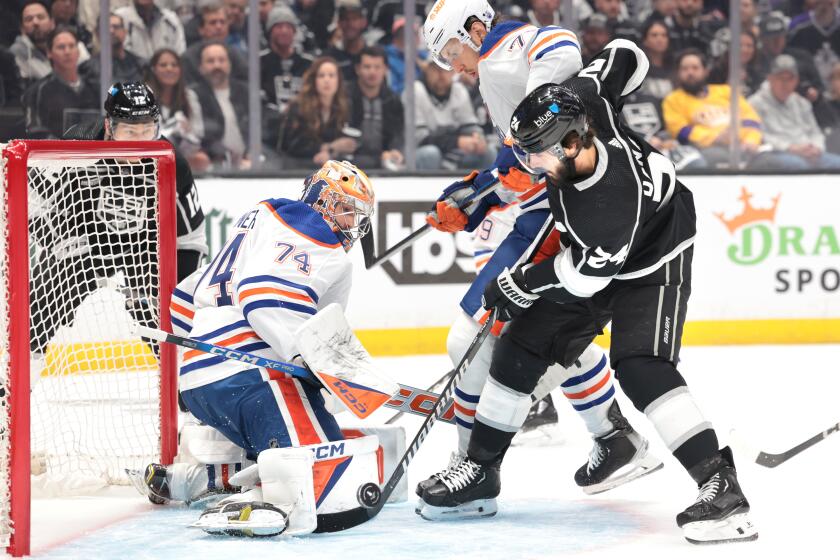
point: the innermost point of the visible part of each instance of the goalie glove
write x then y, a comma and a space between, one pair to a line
508, 294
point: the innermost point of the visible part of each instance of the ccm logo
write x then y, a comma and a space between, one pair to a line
348, 397
234, 355
326, 451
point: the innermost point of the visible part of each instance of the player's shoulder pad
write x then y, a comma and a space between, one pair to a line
621, 67
303, 220
550, 38
499, 34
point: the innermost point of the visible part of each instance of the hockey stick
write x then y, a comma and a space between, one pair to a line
409, 399
431, 388
772, 460
375, 501
369, 251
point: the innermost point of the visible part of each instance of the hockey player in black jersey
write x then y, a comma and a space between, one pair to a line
627, 225
95, 222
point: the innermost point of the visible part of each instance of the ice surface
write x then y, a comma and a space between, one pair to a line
775, 397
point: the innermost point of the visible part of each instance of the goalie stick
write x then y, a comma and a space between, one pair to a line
369, 250
375, 501
772, 460
408, 399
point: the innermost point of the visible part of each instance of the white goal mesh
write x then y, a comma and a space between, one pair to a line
95, 262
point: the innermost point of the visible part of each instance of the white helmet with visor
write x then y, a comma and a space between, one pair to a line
445, 30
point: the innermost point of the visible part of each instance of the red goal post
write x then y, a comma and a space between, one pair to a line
19, 158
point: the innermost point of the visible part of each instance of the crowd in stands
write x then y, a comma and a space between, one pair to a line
332, 78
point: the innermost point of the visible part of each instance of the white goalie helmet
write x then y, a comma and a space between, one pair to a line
446, 21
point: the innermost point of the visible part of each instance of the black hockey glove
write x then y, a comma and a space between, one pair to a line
508, 294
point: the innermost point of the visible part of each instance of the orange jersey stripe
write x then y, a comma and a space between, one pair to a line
591, 390
464, 411
182, 310
481, 262
549, 38
278, 291
502, 40
226, 342
307, 435
312, 239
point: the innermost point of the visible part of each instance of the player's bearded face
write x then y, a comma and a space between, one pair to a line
558, 162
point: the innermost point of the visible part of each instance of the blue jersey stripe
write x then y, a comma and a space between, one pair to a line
557, 45
260, 304
214, 359
223, 330
601, 400
182, 295
482, 252
180, 324
211, 477
464, 423
281, 281
465, 397
578, 379
535, 201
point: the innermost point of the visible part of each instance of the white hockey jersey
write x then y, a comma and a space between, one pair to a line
515, 58
281, 265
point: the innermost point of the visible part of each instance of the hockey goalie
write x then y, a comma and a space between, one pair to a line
260, 433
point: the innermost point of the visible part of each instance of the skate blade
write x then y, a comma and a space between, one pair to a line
735, 528
642, 467
471, 510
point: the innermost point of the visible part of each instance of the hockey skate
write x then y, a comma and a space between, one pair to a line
540, 427
465, 490
454, 459
721, 512
243, 519
152, 483
616, 458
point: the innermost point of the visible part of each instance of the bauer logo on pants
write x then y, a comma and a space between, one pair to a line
435, 258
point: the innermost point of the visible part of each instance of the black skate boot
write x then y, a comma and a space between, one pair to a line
467, 489
721, 512
157, 487
616, 458
540, 427
454, 459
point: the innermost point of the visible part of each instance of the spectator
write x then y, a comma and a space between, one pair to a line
30, 47
9, 24
655, 44
352, 23
315, 128
213, 27
833, 129
237, 25
448, 135
789, 123
749, 17
62, 98
595, 34
281, 69
751, 76
313, 15
166, 80
89, 12
686, 28
697, 113
621, 25
396, 57
377, 113
65, 13
151, 28
661, 10
773, 35
819, 34
125, 65
220, 119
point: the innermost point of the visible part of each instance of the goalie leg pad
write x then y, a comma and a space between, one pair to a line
243, 519
287, 483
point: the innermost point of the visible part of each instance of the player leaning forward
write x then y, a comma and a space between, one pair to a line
285, 262
628, 227
511, 59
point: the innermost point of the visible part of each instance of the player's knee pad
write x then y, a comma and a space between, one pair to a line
202, 444
503, 408
645, 379
515, 367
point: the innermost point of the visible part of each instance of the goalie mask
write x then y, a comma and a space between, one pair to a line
132, 112
541, 127
343, 194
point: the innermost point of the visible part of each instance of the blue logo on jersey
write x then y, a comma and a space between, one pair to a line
554, 108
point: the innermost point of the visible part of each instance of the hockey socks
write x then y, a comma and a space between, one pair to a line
590, 390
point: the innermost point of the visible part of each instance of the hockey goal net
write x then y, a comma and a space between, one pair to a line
87, 251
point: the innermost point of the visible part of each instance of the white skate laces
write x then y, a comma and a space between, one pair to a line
709, 489
460, 475
596, 455
454, 459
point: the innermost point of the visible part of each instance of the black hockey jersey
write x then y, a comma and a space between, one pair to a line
631, 215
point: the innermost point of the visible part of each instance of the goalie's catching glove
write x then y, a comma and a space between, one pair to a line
508, 294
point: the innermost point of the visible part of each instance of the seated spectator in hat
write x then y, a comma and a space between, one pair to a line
819, 33
658, 82
30, 47
220, 118
352, 23
447, 131
213, 27
315, 128
125, 65
595, 34
789, 124
65, 13
62, 98
151, 28
165, 78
